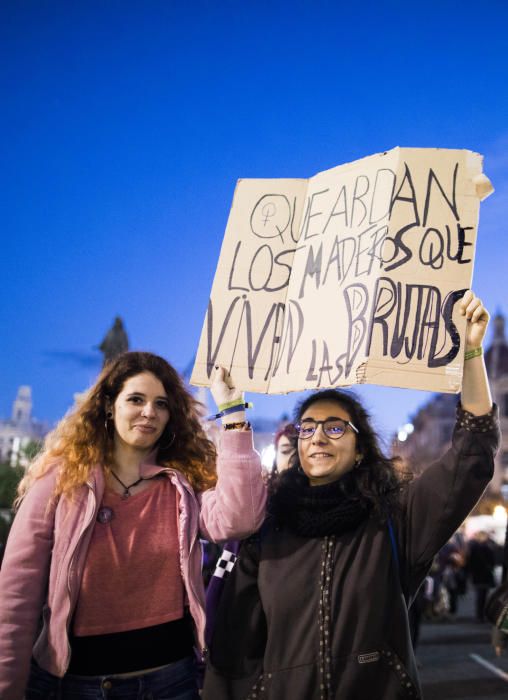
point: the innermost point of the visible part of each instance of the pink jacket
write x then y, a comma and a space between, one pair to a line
46, 551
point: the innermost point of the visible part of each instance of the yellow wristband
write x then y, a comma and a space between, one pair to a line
230, 404
476, 352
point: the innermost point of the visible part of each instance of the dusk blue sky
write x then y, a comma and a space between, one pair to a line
125, 126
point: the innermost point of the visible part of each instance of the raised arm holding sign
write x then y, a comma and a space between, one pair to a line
318, 599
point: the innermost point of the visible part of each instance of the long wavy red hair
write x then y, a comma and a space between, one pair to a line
81, 440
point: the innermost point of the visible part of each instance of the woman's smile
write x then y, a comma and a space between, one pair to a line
322, 458
143, 400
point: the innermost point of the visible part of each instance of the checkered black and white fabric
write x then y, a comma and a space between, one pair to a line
225, 564
223, 568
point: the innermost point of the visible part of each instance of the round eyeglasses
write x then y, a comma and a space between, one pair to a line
333, 428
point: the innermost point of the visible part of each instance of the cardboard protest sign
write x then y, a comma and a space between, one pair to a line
351, 276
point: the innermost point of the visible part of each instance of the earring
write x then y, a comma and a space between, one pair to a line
358, 461
109, 416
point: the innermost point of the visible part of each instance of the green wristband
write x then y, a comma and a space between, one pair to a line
230, 404
476, 352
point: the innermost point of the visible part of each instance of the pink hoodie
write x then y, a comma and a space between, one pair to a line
46, 551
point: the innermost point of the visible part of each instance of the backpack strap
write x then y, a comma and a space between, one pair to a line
393, 542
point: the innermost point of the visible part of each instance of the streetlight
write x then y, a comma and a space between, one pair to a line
500, 515
404, 432
268, 457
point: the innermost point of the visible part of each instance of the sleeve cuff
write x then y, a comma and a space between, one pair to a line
477, 424
236, 442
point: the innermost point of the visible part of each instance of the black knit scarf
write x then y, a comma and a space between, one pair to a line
316, 511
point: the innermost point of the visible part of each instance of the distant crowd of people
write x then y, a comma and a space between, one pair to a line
459, 563
460, 566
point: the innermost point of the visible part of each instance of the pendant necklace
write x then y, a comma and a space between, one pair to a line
106, 514
126, 489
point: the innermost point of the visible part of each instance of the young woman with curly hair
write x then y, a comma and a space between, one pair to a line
101, 592
316, 607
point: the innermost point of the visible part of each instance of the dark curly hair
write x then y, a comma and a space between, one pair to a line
376, 480
81, 440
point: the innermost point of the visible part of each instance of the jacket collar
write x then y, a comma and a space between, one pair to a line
149, 468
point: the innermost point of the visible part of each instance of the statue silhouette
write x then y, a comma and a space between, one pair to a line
115, 342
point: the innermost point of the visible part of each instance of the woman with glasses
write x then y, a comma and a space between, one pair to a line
316, 607
101, 593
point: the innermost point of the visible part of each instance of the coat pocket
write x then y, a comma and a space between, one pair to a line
377, 674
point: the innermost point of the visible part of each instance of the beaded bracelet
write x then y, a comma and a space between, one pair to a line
232, 409
476, 352
237, 426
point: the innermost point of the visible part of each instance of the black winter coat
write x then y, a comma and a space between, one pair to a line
481, 562
326, 618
